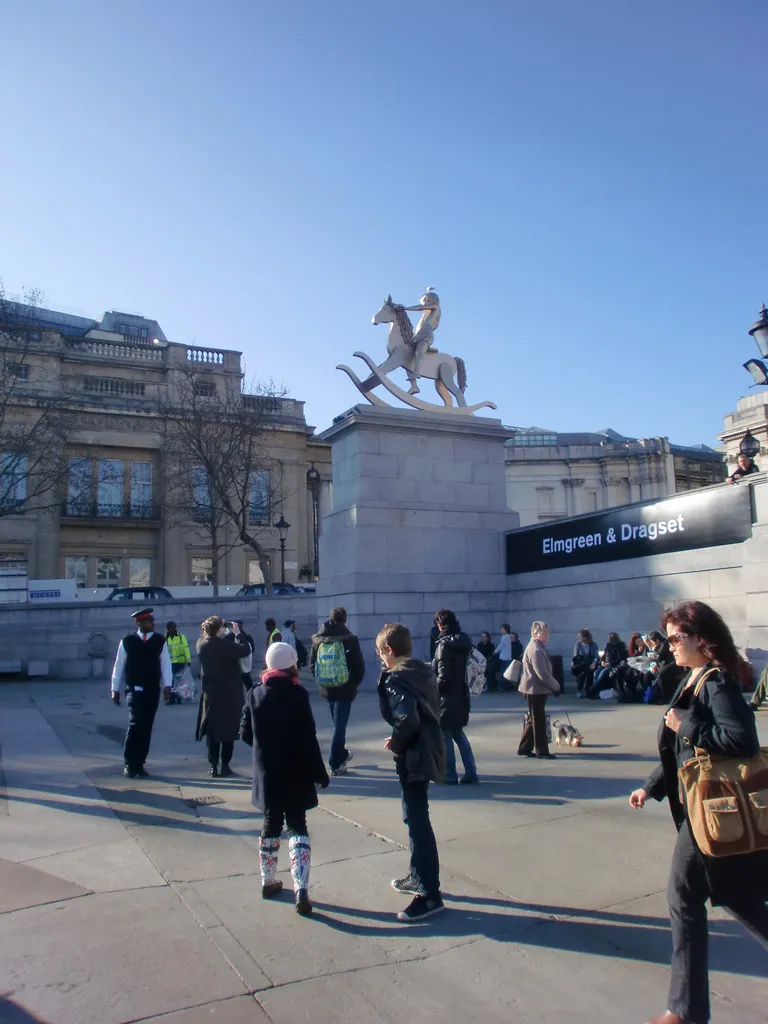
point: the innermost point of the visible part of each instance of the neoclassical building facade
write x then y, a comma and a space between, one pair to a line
109, 525
551, 475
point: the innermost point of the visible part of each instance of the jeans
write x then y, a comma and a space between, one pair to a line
597, 681
225, 750
687, 895
459, 737
339, 711
142, 708
425, 865
272, 825
761, 690
535, 732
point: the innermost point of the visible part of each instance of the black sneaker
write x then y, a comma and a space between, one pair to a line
419, 909
142, 772
213, 771
130, 773
405, 885
226, 771
547, 757
469, 780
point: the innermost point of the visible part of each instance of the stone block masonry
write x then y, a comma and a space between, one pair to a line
419, 512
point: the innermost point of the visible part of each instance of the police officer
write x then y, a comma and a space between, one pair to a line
142, 667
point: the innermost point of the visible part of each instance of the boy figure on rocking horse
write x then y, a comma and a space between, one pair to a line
424, 335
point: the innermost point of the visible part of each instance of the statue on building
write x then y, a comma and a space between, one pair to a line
414, 351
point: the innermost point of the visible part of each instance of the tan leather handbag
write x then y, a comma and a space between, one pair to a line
726, 798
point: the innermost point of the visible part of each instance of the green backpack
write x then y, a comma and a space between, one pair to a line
331, 665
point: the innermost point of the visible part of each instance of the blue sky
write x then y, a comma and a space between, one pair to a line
583, 182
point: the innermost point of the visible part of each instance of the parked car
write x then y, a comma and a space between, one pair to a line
260, 589
143, 594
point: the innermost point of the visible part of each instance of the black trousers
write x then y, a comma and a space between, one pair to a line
425, 862
272, 826
142, 708
219, 750
535, 732
687, 895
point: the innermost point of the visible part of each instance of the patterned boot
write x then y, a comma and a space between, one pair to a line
300, 861
268, 850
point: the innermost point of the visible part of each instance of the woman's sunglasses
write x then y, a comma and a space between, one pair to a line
676, 638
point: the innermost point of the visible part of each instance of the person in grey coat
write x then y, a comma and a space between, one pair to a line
537, 684
221, 700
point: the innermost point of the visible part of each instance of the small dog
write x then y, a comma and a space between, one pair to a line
566, 735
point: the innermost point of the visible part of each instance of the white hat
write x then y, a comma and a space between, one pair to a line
281, 656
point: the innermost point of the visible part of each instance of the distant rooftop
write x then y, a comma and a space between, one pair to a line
131, 325
541, 437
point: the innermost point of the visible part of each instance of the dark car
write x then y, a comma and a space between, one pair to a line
260, 589
143, 594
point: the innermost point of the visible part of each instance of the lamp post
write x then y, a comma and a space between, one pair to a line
313, 482
282, 527
749, 445
759, 331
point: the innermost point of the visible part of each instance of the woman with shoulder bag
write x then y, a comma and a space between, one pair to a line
584, 663
537, 684
221, 699
707, 713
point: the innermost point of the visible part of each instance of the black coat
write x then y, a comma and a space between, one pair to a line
450, 666
222, 695
353, 655
717, 720
517, 650
277, 722
409, 702
488, 651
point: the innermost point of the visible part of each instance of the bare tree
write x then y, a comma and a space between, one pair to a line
222, 478
33, 427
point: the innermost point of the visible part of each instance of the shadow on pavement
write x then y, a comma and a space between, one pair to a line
12, 1013
613, 935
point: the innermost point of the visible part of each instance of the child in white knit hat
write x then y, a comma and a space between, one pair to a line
287, 767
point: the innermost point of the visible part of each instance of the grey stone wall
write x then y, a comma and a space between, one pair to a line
59, 633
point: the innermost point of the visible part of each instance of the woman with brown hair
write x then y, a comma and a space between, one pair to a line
712, 716
636, 645
221, 700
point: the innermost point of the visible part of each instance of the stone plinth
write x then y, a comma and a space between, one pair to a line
419, 510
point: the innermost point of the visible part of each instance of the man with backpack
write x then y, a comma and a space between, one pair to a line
337, 664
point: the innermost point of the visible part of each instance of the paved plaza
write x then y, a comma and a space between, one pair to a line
125, 901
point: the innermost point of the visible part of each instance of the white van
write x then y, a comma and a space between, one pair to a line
39, 591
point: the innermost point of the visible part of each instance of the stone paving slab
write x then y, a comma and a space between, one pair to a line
22, 886
240, 1010
110, 958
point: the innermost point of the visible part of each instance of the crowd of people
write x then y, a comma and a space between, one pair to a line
427, 706
643, 670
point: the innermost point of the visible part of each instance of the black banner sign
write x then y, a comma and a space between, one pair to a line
696, 519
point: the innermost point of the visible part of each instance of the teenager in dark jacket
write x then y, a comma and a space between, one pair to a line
338, 690
450, 665
277, 722
614, 655
488, 650
409, 702
707, 711
221, 697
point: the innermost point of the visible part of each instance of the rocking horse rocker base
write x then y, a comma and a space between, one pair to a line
377, 378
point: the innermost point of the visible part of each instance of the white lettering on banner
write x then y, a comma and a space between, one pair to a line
652, 530
551, 546
627, 532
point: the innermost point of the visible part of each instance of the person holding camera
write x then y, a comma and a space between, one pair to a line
220, 648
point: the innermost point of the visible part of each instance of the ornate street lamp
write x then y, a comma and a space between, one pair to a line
749, 445
759, 331
282, 527
313, 482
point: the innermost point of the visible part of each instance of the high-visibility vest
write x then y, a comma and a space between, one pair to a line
178, 649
